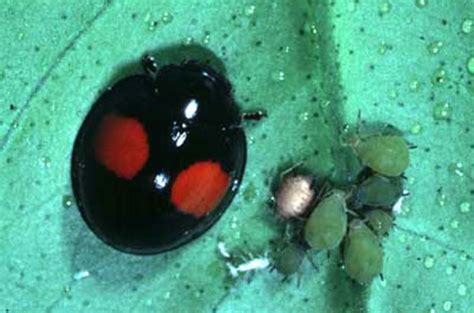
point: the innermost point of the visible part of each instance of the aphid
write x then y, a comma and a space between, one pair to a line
159, 157
327, 224
385, 154
380, 222
247, 263
378, 191
363, 254
287, 261
294, 195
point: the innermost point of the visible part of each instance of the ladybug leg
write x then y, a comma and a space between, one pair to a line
149, 65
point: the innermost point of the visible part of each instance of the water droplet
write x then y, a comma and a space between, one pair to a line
464, 256
67, 201
21, 36
441, 198
467, 26
152, 25
207, 38
462, 290
442, 111
278, 76
45, 161
421, 3
435, 46
450, 270
188, 41
447, 305
454, 224
393, 94
470, 65
414, 85
167, 295
416, 129
250, 10
303, 117
167, 18
384, 47
439, 77
465, 207
429, 262
456, 168
385, 8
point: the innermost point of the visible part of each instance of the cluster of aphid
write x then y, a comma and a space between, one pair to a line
353, 218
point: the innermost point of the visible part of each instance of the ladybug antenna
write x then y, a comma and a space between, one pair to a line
149, 65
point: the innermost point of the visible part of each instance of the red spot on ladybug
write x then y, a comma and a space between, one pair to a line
199, 188
121, 145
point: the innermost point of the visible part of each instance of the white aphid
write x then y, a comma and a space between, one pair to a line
251, 265
294, 195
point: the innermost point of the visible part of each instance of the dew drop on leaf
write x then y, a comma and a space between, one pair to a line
470, 65
167, 18
467, 26
421, 3
442, 111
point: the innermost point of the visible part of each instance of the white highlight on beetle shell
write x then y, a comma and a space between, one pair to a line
161, 180
191, 109
294, 195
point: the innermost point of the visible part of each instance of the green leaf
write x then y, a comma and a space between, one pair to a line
312, 65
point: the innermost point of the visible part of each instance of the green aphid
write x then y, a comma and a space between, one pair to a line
385, 154
288, 260
379, 191
327, 224
363, 255
380, 222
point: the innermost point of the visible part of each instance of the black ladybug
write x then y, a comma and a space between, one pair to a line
159, 157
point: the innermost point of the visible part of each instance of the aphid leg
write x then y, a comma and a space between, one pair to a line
406, 194
311, 260
328, 254
359, 123
290, 169
254, 115
381, 277
412, 146
298, 280
323, 191
149, 65
353, 213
